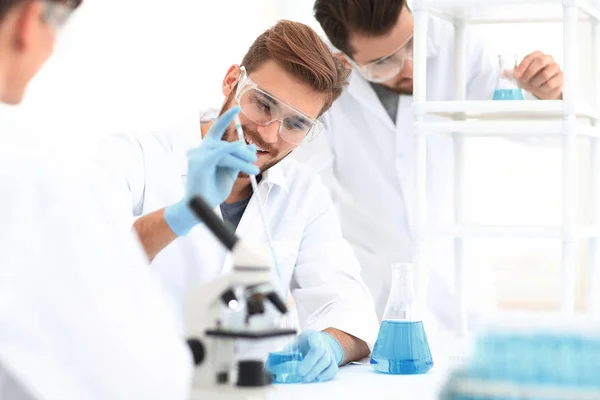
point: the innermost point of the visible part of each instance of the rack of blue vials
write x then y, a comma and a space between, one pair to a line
540, 365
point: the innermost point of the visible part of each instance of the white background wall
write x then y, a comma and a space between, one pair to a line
123, 63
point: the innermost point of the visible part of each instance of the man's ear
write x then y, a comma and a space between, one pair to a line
344, 59
231, 79
26, 18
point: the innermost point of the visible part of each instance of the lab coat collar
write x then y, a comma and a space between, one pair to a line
275, 176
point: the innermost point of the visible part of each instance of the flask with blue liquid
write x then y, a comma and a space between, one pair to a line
402, 346
506, 86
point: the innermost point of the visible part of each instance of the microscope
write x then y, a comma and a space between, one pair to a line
213, 336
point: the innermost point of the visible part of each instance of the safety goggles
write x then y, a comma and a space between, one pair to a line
57, 13
263, 108
388, 66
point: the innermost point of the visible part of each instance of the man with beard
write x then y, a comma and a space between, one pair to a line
366, 154
287, 79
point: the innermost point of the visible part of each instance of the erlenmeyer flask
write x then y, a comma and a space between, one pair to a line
402, 346
506, 85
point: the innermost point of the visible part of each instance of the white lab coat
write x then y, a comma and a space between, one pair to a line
316, 264
368, 163
81, 316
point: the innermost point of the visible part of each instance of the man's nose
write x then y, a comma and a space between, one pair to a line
407, 70
270, 133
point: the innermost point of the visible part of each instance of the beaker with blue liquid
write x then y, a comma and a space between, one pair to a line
507, 87
282, 365
402, 347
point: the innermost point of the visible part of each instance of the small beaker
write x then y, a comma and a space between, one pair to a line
282, 364
507, 87
402, 346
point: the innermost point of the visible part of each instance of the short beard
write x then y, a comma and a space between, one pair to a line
401, 90
230, 135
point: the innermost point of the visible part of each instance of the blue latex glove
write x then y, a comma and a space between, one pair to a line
322, 355
213, 167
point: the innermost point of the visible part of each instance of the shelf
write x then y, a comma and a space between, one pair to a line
506, 11
503, 129
491, 128
508, 232
503, 110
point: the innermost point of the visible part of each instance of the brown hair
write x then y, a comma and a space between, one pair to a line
7, 5
300, 51
340, 18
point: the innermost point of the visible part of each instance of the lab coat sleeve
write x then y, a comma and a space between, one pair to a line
122, 159
82, 317
326, 284
483, 69
11, 389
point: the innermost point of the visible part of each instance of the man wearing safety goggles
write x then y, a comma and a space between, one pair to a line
287, 79
366, 153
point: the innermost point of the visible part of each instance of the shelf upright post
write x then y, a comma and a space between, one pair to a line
569, 212
460, 94
593, 295
420, 168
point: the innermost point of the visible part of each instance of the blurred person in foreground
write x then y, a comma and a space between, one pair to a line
81, 316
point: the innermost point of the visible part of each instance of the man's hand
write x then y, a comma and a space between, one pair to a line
322, 355
541, 76
213, 167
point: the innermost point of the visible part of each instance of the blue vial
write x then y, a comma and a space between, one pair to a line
283, 366
508, 94
506, 85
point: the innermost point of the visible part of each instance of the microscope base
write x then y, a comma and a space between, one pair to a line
227, 392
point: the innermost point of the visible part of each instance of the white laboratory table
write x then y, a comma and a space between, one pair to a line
356, 381
361, 382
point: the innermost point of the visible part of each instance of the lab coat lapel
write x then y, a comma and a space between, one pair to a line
250, 226
362, 91
379, 122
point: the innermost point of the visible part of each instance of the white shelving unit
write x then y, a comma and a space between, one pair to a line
566, 118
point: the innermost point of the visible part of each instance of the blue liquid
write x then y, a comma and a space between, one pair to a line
401, 348
283, 366
508, 94
538, 359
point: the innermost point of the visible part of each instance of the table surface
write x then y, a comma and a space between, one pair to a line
356, 381
361, 381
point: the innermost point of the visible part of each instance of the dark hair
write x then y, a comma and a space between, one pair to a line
341, 18
300, 51
7, 5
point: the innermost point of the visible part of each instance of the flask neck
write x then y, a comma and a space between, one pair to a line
402, 282
402, 301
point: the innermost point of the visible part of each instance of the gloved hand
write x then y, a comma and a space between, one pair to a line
322, 355
213, 167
